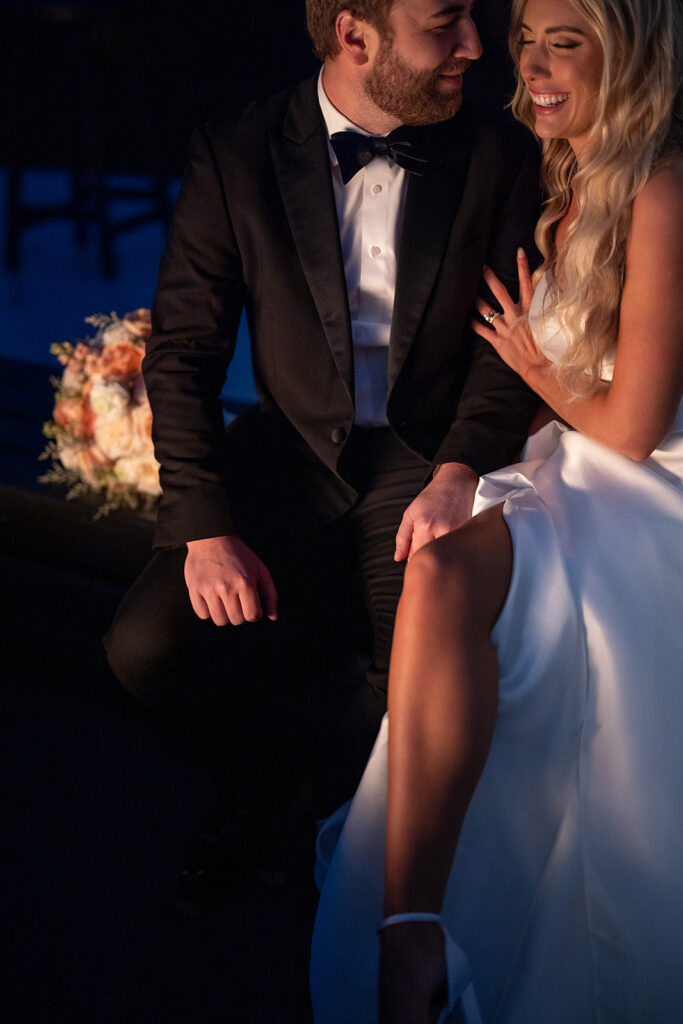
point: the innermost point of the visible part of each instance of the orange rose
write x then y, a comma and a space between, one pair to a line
74, 415
91, 363
122, 361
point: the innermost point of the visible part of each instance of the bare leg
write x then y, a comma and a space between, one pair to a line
443, 692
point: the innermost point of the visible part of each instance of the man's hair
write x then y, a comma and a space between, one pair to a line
321, 16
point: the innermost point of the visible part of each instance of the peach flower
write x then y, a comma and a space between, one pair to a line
139, 323
121, 361
74, 415
115, 334
141, 471
83, 459
73, 377
91, 363
140, 391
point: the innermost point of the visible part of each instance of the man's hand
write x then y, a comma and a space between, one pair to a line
227, 582
443, 506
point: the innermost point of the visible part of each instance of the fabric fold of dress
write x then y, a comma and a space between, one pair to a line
566, 891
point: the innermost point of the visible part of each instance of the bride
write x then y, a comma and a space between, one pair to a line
518, 831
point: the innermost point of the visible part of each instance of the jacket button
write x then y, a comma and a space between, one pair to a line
338, 435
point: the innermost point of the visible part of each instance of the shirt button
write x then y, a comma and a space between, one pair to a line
358, 333
376, 189
375, 251
338, 435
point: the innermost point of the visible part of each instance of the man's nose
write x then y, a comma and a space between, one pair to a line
468, 43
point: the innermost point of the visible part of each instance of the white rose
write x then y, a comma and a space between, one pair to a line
115, 334
83, 459
116, 438
109, 400
69, 455
127, 437
142, 473
72, 381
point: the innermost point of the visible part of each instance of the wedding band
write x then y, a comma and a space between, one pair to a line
491, 316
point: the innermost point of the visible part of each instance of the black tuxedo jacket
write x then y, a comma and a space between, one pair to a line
255, 226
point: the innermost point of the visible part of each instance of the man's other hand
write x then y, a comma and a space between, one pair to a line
443, 506
228, 582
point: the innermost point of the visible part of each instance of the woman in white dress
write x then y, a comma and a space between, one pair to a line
530, 785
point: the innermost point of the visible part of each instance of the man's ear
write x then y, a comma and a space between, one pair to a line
356, 37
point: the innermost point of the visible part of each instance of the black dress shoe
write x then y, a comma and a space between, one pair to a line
221, 858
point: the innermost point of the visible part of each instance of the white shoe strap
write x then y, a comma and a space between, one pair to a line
415, 915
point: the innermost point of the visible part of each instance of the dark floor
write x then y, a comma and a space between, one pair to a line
98, 811
98, 807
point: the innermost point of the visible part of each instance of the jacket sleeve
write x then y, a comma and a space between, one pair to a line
195, 317
495, 406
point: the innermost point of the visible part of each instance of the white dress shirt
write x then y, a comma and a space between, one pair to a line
370, 215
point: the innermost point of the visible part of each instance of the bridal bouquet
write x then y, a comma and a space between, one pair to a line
100, 433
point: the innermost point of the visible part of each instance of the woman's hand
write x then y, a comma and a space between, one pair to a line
513, 341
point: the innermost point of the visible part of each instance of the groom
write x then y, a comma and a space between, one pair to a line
357, 261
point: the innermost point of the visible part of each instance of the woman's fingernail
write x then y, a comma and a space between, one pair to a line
520, 253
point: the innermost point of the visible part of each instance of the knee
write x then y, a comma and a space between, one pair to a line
148, 643
139, 655
465, 575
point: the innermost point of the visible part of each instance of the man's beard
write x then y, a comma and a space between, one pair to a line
414, 97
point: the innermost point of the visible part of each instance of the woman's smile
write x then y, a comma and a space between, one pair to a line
548, 102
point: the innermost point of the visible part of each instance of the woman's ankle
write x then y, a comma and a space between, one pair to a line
412, 973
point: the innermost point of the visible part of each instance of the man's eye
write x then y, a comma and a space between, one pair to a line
444, 27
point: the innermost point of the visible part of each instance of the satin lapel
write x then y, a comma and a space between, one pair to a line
302, 166
432, 203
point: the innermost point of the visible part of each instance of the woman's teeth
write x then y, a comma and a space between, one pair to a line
549, 99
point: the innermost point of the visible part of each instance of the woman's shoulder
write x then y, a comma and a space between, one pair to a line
664, 189
658, 207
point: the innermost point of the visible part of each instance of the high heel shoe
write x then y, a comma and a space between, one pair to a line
461, 994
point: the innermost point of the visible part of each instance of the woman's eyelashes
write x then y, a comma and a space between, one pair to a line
570, 44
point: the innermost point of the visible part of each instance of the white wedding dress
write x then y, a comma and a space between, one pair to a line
566, 891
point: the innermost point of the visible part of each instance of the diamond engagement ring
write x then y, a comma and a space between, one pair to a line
491, 316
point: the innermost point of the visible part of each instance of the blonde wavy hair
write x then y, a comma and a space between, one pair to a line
638, 121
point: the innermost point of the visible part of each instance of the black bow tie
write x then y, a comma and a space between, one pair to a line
354, 151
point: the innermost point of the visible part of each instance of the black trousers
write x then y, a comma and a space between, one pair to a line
257, 703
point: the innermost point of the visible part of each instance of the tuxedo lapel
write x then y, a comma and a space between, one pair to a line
432, 203
302, 165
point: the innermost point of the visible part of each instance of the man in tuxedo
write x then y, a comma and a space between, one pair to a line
356, 247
